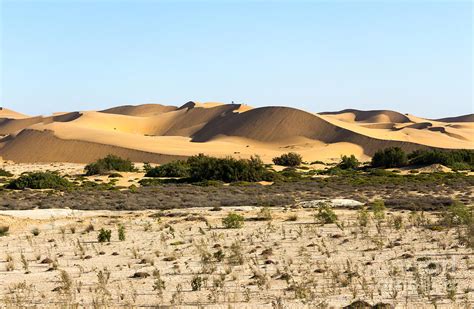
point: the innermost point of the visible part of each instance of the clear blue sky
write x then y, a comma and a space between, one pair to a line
408, 56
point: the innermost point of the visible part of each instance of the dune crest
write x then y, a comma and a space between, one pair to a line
159, 133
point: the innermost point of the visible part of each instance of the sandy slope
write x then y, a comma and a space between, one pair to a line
157, 133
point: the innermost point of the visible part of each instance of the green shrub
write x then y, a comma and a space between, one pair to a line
104, 235
5, 173
228, 169
288, 159
390, 157
107, 164
39, 180
348, 162
462, 159
121, 232
378, 207
233, 221
457, 214
173, 169
325, 214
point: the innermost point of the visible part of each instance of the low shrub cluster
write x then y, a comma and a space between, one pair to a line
107, 164
209, 171
173, 169
288, 159
228, 169
461, 159
5, 173
39, 180
348, 162
457, 159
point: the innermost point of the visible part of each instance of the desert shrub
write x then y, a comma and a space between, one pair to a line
265, 214
288, 159
378, 207
173, 169
107, 164
39, 180
390, 157
115, 175
121, 232
363, 217
457, 214
233, 221
35, 231
5, 173
397, 222
462, 159
348, 162
325, 214
4, 230
202, 167
104, 235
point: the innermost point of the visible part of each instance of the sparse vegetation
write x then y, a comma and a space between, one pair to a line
348, 162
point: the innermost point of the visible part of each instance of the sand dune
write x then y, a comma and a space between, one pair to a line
463, 118
375, 116
158, 133
140, 110
8, 113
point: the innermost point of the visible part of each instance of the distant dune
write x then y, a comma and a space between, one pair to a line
159, 133
463, 118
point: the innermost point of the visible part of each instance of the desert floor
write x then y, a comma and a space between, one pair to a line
185, 258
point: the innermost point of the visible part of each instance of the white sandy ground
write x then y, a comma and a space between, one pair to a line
325, 264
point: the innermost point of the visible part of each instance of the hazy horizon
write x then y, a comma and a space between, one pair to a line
411, 57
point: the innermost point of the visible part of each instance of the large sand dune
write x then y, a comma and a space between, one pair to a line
158, 133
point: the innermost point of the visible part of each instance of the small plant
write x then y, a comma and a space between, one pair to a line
233, 221
4, 230
104, 235
397, 222
35, 231
121, 232
5, 173
363, 217
196, 283
265, 214
325, 214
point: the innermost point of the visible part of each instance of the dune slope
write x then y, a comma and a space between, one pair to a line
157, 133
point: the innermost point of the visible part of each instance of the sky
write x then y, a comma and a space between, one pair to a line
412, 57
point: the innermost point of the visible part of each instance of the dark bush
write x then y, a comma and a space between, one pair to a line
457, 159
39, 180
228, 169
173, 169
390, 157
348, 162
109, 163
288, 159
5, 173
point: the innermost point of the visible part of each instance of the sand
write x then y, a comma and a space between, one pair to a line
158, 133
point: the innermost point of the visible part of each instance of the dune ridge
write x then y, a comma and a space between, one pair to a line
159, 133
